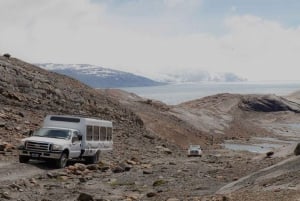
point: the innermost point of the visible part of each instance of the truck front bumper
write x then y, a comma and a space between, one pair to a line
40, 155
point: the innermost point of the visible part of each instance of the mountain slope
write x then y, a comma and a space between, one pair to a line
99, 77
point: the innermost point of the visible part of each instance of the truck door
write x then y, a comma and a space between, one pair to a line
75, 148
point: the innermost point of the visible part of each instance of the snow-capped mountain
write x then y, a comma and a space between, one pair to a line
200, 76
99, 77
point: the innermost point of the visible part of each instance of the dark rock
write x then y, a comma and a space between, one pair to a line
2, 147
2, 124
21, 114
147, 172
104, 168
269, 154
151, 194
7, 55
85, 197
118, 169
297, 150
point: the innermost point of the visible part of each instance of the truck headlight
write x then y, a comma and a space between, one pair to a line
56, 147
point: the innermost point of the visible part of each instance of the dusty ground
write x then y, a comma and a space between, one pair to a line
152, 178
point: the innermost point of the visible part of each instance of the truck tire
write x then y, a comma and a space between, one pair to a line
93, 159
62, 161
23, 159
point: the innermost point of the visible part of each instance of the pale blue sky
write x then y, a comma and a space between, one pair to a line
256, 39
198, 13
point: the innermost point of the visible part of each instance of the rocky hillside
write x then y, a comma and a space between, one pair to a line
28, 93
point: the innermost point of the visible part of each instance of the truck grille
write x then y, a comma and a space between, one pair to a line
37, 146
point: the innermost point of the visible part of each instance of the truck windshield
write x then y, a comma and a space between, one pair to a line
52, 133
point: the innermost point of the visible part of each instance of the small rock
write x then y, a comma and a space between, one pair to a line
33, 181
63, 178
130, 162
50, 175
15, 186
159, 182
80, 166
146, 166
104, 168
172, 199
83, 179
118, 169
5, 195
147, 172
167, 151
92, 167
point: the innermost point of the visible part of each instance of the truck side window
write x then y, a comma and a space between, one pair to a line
109, 134
89, 132
75, 137
96, 133
102, 133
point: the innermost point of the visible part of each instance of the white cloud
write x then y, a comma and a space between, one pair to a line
68, 31
182, 3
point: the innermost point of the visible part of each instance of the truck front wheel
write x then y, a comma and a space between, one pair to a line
62, 161
23, 159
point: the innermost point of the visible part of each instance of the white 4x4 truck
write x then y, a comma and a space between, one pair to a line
194, 150
67, 137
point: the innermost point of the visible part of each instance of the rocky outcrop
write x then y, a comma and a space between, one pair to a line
268, 103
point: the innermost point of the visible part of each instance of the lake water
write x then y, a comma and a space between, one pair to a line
177, 93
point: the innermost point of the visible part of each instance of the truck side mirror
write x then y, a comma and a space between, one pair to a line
30, 133
79, 137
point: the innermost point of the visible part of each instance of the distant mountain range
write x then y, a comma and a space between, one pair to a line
99, 77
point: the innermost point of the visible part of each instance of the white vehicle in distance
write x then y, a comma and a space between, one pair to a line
194, 150
67, 137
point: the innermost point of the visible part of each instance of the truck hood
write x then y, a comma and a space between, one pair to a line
46, 140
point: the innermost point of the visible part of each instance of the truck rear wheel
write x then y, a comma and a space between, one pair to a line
62, 161
23, 159
93, 159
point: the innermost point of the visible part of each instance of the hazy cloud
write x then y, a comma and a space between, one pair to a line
81, 31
